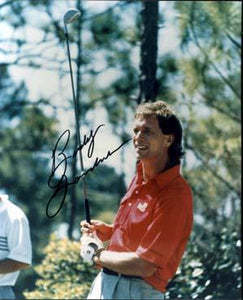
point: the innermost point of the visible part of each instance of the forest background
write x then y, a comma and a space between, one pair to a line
187, 53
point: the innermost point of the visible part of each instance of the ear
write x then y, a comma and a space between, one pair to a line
169, 139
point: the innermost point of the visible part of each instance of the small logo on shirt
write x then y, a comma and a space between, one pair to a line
142, 207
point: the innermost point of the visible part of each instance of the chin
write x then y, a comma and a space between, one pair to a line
142, 157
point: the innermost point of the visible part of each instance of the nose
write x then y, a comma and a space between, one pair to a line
138, 136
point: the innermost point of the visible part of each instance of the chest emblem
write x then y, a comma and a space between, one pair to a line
142, 207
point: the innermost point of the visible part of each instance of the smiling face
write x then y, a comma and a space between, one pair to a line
150, 143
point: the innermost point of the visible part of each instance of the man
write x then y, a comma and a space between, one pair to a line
15, 246
154, 220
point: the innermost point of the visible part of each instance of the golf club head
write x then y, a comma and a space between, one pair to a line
71, 15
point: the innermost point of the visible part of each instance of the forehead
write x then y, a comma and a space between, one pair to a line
146, 121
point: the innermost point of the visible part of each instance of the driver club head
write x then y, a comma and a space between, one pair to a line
71, 15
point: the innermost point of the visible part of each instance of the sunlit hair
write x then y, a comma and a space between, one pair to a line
168, 123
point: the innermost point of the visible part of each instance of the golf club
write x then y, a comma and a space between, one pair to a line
70, 16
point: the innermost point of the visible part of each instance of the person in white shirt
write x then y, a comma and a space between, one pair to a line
15, 246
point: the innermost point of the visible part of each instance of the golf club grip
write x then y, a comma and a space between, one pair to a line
86, 210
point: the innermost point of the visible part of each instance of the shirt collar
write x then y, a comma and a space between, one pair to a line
162, 179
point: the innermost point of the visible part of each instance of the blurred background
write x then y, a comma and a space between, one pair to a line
187, 53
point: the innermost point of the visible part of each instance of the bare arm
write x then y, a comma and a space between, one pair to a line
10, 265
127, 263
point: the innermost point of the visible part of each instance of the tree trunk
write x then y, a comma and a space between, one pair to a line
148, 53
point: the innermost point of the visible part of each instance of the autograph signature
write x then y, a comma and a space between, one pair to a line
60, 186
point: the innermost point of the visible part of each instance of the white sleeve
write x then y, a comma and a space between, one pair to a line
19, 242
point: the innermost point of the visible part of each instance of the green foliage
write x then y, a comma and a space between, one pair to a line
167, 70
210, 67
105, 29
106, 216
117, 40
62, 273
107, 181
203, 82
210, 21
215, 142
103, 192
9, 110
211, 267
23, 177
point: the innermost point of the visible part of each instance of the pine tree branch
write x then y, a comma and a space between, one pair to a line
119, 4
212, 170
6, 3
209, 102
238, 45
234, 90
204, 200
10, 105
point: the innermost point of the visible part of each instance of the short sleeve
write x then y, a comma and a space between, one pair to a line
167, 233
19, 242
105, 237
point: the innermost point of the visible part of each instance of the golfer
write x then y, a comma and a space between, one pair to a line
154, 220
15, 246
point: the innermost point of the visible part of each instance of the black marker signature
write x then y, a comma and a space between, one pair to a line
60, 186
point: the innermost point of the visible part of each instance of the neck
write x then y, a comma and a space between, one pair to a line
151, 169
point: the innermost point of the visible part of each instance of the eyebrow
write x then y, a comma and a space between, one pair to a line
144, 127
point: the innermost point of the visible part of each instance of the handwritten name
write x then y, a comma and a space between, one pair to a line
60, 161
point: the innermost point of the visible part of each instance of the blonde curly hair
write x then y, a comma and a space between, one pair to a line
158, 108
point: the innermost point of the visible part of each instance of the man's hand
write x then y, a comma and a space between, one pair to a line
101, 229
89, 247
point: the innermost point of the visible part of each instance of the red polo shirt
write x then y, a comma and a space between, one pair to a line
155, 221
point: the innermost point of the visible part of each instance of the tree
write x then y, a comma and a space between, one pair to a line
49, 58
30, 130
211, 269
62, 274
148, 54
212, 83
210, 99
202, 82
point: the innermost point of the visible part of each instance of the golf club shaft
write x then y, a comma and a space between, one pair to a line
86, 201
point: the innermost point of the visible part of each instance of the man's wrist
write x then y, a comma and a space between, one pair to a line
96, 256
